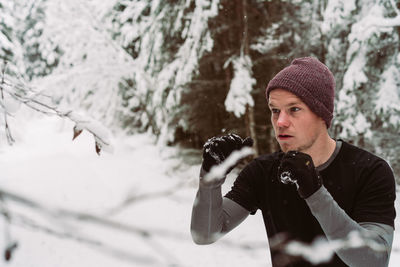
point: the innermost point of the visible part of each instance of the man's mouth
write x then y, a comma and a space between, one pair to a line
284, 136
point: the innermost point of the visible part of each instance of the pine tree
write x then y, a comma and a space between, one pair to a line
41, 54
74, 44
221, 94
366, 113
10, 65
166, 40
181, 90
338, 18
284, 30
10, 52
6, 23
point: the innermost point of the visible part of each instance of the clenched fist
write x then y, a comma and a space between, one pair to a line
217, 149
298, 168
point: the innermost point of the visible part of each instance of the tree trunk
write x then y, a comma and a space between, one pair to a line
251, 127
244, 51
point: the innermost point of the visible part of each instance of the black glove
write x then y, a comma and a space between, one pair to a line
217, 149
298, 168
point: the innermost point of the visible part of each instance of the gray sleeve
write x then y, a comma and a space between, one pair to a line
337, 225
214, 215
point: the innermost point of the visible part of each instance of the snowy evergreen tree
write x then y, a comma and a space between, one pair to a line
6, 28
193, 52
367, 109
287, 29
10, 65
187, 70
166, 41
191, 69
15, 89
41, 54
10, 51
92, 64
336, 26
221, 95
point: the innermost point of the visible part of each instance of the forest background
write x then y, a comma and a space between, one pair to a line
186, 70
189, 70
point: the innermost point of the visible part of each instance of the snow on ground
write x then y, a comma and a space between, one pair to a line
69, 179
82, 194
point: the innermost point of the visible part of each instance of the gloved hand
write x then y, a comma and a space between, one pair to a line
298, 168
217, 149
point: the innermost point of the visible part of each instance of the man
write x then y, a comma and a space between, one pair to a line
315, 186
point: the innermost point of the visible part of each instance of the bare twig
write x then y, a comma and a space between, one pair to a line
10, 244
63, 214
141, 197
10, 138
25, 222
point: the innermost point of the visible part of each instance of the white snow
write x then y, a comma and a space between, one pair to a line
335, 12
268, 41
9, 104
132, 207
67, 178
239, 95
92, 63
389, 95
161, 77
139, 187
5, 43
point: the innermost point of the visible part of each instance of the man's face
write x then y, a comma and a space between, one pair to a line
296, 126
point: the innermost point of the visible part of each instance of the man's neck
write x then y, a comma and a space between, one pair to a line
322, 150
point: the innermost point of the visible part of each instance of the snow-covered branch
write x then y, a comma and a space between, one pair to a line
321, 250
68, 219
218, 172
64, 216
239, 95
15, 92
377, 19
386, 22
127, 255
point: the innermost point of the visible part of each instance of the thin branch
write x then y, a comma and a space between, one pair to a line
6, 214
218, 172
25, 222
9, 136
141, 197
2, 79
63, 214
293, 249
28, 96
96, 25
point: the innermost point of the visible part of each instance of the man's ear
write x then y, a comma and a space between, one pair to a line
322, 122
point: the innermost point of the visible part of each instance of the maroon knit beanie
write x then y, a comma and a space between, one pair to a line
312, 82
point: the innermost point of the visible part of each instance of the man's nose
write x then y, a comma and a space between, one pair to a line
283, 120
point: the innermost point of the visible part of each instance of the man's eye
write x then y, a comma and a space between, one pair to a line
275, 111
294, 109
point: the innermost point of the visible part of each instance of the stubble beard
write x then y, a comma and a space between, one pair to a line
301, 148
